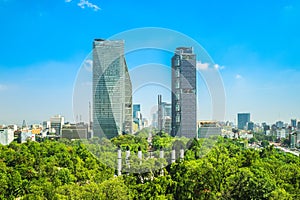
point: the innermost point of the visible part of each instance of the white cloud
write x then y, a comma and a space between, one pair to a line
84, 3
206, 66
218, 67
202, 66
238, 76
88, 65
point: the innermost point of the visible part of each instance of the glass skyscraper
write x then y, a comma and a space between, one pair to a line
243, 119
112, 90
184, 104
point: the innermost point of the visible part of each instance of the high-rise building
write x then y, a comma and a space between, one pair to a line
243, 119
56, 123
293, 123
137, 118
159, 113
136, 108
184, 104
112, 90
250, 126
164, 115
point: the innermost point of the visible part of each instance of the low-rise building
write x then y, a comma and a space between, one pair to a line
75, 131
207, 129
6, 136
26, 135
281, 133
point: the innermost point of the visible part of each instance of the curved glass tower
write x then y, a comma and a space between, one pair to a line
112, 90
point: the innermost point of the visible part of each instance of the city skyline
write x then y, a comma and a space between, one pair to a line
256, 55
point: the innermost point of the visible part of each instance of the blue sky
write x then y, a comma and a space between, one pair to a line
43, 44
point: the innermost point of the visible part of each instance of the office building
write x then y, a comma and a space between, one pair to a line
112, 90
137, 118
293, 123
250, 126
184, 104
159, 114
56, 123
243, 119
136, 108
164, 115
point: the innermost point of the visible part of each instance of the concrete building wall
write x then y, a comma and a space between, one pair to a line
6, 136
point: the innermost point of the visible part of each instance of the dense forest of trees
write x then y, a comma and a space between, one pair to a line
224, 169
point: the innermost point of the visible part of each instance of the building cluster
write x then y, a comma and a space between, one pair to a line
55, 128
138, 121
114, 114
113, 111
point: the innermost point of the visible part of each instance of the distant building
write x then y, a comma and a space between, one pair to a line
24, 124
207, 129
279, 124
112, 90
245, 134
250, 126
137, 118
164, 115
167, 127
75, 131
154, 120
281, 133
46, 125
145, 122
13, 127
293, 123
298, 125
6, 136
243, 119
136, 108
184, 104
56, 123
293, 139
159, 114
26, 135
266, 127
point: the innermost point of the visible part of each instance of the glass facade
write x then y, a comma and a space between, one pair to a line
243, 119
184, 104
112, 90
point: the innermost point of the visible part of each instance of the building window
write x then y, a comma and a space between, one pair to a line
177, 107
177, 118
177, 73
177, 84
177, 61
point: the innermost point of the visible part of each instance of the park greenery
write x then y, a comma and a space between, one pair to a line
214, 168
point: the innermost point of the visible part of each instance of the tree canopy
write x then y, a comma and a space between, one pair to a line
211, 169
